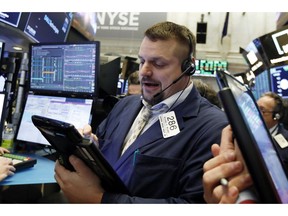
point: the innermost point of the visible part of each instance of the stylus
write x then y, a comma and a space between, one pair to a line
224, 181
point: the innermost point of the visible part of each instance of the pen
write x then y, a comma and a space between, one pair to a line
224, 181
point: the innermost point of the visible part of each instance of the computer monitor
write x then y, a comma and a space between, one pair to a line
108, 78
10, 18
253, 55
2, 48
50, 27
275, 47
76, 111
279, 80
64, 68
3, 111
262, 84
208, 67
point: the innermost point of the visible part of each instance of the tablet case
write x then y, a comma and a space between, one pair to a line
66, 140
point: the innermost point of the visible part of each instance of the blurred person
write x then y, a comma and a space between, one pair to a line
207, 92
273, 110
134, 86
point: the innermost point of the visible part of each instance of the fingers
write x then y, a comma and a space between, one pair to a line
230, 195
3, 150
86, 132
78, 164
227, 143
242, 181
218, 160
213, 190
215, 149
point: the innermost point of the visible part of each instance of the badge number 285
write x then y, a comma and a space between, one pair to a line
169, 124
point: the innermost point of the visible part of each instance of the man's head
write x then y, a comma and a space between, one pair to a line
165, 53
134, 84
271, 106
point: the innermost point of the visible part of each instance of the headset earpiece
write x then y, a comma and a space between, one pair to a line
276, 116
188, 67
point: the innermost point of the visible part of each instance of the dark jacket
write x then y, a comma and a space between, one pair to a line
283, 152
158, 170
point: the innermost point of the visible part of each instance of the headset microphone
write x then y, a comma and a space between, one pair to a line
189, 70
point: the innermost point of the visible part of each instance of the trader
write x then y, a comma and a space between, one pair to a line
164, 163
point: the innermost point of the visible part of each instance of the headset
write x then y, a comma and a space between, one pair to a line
188, 67
278, 110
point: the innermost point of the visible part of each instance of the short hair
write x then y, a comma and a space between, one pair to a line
207, 92
279, 104
169, 30
134, 78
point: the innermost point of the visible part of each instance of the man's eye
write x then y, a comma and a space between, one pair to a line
159, 65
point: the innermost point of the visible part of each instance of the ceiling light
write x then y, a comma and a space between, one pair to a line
17, 48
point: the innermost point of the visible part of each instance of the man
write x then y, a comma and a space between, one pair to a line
165, 162
134, 84
273, 111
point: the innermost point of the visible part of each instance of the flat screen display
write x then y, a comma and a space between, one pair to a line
48, 27
64, 68
10, 18
275, 46
279, 80
208, 67
76, 111
262, 84
253, 57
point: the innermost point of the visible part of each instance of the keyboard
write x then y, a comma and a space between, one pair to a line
20, 161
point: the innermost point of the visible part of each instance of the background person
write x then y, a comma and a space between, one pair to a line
273, 110
134, 86
207, 92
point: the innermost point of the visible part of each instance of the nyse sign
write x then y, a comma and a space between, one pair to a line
126, 24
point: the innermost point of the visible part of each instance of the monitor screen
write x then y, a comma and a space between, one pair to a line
49, 26
108, 78
253, 57
64, 68
76, 111
279, 80
10, 18
208, 67
262, 84
275, 47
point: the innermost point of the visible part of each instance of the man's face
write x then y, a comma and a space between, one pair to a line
159, 67
266, 105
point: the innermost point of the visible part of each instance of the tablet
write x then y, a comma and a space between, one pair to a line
66, 140
254, 139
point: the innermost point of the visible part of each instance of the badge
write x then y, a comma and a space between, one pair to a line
280, 139
169, 124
